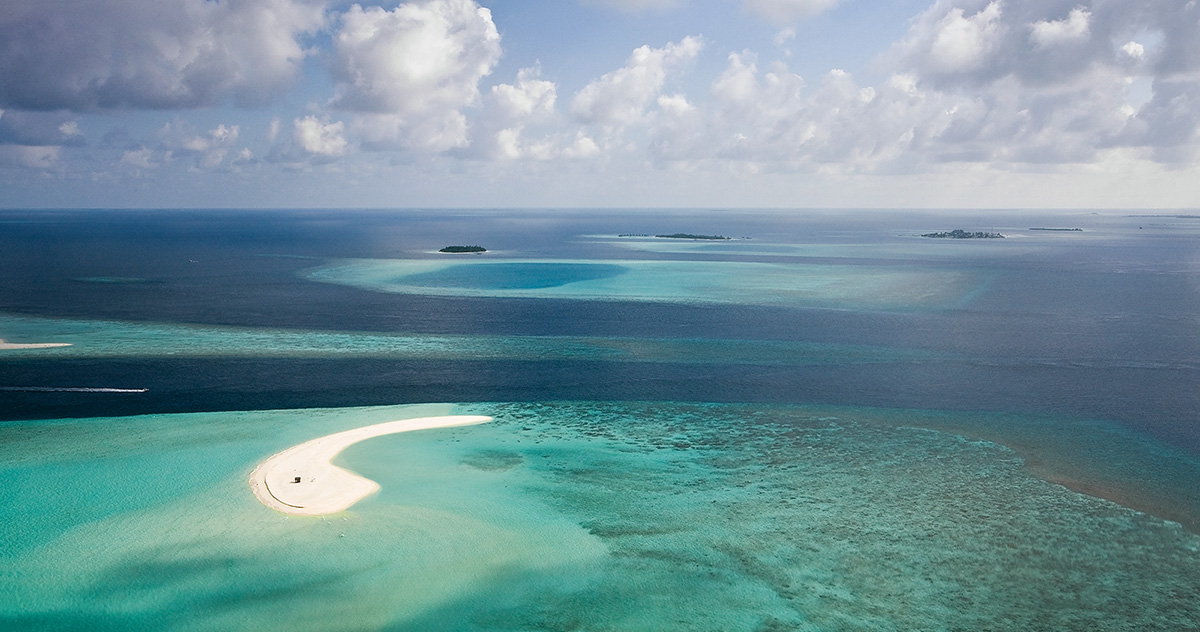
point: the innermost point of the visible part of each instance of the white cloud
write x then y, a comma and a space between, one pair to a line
1032, 84
520, 122
410, 71
319, 137
1047, 33
789, 10
962, 43
528, 96
739, 83
772, 120
433, 132
511, 109
581, 147
150, 53
1133, 50
208, 150
620, 97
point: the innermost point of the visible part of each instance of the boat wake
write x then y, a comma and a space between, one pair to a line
71, 389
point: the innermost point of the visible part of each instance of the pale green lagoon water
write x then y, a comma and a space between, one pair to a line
588, 516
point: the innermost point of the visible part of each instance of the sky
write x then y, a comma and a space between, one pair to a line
600, 103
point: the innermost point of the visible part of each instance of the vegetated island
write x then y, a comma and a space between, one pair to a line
691, 236
462, 249
959, 233
1061, 230
680, 236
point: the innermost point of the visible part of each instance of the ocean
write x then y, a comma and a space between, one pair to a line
824, 422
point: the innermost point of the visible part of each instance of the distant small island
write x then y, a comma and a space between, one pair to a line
460, 249
958, 233
691, 236
1061, 230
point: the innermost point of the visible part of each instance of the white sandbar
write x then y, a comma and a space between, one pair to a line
325, 488
32, 345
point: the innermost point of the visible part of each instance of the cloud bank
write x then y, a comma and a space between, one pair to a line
161, 54
409, 72
1005, 85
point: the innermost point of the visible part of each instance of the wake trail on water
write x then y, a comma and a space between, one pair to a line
71, 389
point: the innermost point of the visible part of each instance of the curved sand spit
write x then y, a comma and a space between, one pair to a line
325, 488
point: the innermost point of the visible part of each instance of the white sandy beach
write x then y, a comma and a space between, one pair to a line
32, 345
324, 488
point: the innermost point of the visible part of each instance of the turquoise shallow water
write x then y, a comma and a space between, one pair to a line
607, 511
700, 282
592, 516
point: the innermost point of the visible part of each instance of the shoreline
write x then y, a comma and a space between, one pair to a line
303, 481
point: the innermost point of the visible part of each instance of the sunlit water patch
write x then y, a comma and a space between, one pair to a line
596, 516
742, 283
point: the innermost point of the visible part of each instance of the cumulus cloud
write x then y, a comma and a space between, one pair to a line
1072, 29
320, 137
409, 72
620, 97
775, 118
789, 10
521, 122
314, 140
958, 42
1133, 50
513, 107
528, 96
924, 113
207, 150
150, 53
1050, 81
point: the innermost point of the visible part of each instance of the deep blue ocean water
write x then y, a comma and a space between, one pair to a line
827, 422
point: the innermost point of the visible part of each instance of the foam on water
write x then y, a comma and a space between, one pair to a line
592, 516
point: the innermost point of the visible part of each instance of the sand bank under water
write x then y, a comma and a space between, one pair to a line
302, 481
32, 345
